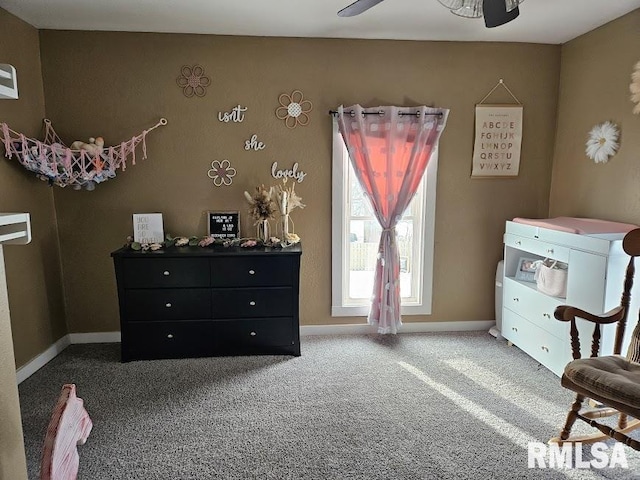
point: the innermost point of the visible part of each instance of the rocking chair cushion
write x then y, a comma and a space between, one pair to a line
612, 377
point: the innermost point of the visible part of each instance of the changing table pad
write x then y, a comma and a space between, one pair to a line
582, 226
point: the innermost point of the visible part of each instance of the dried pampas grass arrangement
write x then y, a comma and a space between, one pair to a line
634, 88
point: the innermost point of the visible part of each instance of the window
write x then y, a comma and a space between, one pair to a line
356, 234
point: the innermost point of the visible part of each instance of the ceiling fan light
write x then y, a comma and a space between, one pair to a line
496, 13
469, 9
451, 4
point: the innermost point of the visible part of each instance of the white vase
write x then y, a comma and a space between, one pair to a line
284, 222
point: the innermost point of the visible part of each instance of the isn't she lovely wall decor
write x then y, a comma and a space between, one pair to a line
498, 138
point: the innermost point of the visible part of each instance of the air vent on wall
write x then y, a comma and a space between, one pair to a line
8, 82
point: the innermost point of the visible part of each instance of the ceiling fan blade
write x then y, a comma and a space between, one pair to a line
496, 14
357, 7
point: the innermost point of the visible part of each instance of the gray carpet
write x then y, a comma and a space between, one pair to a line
413, 406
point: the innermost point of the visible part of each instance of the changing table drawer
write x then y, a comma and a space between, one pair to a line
538, 308
538, 247
547, 349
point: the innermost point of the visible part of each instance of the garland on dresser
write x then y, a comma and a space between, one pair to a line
273, 242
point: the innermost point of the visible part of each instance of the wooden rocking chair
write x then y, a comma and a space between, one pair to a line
613, 381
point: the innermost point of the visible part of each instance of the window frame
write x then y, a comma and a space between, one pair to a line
339, 231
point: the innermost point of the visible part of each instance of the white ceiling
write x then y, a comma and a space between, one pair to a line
540, 21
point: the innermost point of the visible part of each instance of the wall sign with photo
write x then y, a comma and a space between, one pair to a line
147, 228
224, 225
526, 269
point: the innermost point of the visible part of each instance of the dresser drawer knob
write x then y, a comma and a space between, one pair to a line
516, 299
514, 329
518, 242
545, 348
253, 334
170, 335
168, 305
166, 273
252, 303
546, 315
252, 272
549, 250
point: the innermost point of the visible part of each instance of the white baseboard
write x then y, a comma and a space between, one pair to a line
54, 350
41, 360
98, 337
409, 327
50, 353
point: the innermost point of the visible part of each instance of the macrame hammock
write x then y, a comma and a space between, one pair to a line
57, 164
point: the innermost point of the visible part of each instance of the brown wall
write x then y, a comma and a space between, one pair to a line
115, 84
594, 87
32, 271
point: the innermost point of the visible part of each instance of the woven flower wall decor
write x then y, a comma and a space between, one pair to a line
634, 88
193, 81
602, 142
221, 173
294, 109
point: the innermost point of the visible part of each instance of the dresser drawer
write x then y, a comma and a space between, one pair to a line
254, 334
148, 340
546, 348
165, 272
538, 308
167, 304
538, 247
252, 271
252, 302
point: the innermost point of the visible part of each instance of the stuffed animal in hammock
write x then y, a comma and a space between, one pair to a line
94, 147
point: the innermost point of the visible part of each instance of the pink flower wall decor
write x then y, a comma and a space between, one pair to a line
221, 173
294, 109
193, 81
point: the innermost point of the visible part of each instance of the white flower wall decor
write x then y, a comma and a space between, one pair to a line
221, 172
294, 109
603, 142
634, 88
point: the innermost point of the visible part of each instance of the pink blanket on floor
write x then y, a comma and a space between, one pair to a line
578, 225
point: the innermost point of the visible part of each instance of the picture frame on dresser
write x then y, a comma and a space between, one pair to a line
148, 228
223, 225
526, 271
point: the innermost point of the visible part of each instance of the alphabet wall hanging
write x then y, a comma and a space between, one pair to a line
498, 138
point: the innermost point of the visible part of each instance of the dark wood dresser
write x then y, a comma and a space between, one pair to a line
193, 302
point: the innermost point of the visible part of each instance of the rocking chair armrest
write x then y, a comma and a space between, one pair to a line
566, 313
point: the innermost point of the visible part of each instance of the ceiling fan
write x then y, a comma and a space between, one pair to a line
495, 12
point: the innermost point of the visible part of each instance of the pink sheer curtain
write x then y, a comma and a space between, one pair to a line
389, 150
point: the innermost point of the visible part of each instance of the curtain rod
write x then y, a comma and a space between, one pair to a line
381, 112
